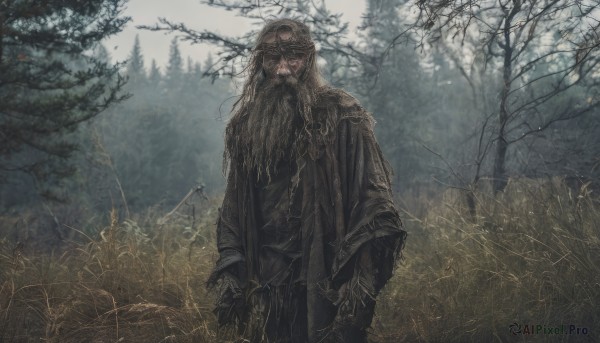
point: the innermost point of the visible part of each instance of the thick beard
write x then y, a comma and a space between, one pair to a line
274, 123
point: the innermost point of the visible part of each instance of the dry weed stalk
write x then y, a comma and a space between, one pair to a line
120, 287
530, 257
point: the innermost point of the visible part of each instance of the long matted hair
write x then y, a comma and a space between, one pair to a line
270, 122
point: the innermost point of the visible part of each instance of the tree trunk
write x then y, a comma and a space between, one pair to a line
499, 176
472, 205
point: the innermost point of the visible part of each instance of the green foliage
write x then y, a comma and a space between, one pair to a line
154, 75
165, 139
135, 65
419, 101
149, 149
175, 66
51, 82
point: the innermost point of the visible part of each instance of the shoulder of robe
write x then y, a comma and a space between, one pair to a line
346, 105
329, 96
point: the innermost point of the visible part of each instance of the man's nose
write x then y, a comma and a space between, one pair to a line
283, 69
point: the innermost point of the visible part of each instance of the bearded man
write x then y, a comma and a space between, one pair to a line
308, 233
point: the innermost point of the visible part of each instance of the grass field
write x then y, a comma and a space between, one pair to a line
530, 259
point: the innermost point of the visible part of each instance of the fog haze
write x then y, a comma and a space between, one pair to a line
155, 45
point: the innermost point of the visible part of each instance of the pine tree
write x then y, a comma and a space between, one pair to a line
154, 75
174, 71
394, 90
190, 77
50, 82
135, 66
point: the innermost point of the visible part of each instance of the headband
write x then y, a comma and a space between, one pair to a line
287, 47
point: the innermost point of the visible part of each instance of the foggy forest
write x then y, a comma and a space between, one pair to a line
111, 173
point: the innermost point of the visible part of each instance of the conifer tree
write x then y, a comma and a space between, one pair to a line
154, 76
174, 71
135, 66
50, 81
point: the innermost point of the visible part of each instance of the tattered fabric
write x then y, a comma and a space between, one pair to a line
350, 234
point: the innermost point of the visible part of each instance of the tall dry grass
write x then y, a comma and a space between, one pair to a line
530, 257
126, 284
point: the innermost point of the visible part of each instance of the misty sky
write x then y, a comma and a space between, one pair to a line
155, 45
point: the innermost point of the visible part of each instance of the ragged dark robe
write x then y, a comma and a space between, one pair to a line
344, 231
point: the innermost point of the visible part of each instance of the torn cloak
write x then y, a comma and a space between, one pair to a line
349, 225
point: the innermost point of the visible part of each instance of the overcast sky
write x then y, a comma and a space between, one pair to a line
155, 45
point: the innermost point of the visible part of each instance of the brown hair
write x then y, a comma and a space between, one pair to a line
236, 145
300, 37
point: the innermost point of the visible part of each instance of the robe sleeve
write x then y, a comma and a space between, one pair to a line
374, 234
370, 215
229, 236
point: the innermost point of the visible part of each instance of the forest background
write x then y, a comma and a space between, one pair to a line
487, 111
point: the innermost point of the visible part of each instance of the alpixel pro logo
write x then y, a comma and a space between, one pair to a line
537, 329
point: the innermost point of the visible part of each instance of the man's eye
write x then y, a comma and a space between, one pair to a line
298, 55
269, 57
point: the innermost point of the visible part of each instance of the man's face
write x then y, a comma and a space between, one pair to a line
273, 119
282, 65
